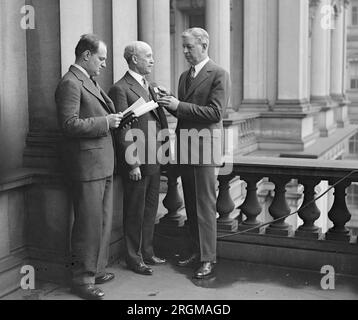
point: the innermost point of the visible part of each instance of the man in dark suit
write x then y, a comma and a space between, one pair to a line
141, 172
86, 116
203, 95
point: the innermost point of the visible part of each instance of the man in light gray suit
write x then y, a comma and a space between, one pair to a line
203, 95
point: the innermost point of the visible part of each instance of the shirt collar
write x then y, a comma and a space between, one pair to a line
136, 76
82, 69
200, 66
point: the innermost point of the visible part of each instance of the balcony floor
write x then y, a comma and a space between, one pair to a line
234, 281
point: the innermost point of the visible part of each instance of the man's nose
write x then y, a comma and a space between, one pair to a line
185, 50
104, 65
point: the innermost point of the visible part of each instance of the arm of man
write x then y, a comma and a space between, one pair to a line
217, 101
68, 99
123, 137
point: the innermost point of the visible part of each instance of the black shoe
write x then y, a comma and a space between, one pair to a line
88, 292
141, 268
103, 279
154, 261
206, 270
189, 261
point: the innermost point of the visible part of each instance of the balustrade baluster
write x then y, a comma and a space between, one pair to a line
309, 212
339, 214
225, 205
279, 208
251, 207
172, 202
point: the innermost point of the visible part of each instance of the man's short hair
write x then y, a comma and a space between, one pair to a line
132, 49
199, 34
87, 42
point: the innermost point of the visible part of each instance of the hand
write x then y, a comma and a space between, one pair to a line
163, 91
135, 174
114, 120
169, 102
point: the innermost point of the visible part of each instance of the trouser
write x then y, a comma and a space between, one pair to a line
200, 205
140, 206
91, 231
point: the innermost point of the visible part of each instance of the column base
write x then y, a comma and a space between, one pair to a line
244, 227
251, 105
279, 232
308, 234
228, 225
336, 236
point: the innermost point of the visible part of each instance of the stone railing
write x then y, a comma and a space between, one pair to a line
279, 234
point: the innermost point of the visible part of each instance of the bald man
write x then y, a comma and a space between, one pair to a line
141, 179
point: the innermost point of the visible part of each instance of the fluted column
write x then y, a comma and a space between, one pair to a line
13, 85
44, 56
293, 93
321, 65
338, 64
76, 19
154, 28
217, 17
124, 18
255, 96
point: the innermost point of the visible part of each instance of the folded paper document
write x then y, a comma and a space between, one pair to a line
136, 110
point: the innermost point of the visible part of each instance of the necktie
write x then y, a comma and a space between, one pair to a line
189, 78
94, 82
145, 84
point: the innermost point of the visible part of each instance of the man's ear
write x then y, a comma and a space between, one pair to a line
86, 55
134, 59
205, 46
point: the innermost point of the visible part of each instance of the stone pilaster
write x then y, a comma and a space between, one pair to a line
322, 23
154, 28
255, 96
124, 17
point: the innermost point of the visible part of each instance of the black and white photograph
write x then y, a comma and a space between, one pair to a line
179, 156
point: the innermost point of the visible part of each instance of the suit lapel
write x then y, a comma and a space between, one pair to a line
89, 86
136, 87
140, 91
201, 77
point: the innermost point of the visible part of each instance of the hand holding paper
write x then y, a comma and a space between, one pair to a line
137, 109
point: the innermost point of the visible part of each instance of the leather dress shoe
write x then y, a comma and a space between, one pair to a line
188, 261
154, 261
142, 268
103, 279
88, 292
206, 269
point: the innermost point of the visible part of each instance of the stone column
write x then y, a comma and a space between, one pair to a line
13, 85
338, 64
237, 52
154, 28
255, 56
124, 18
217, 17
44, 72
289, 124
321, 64
76, 19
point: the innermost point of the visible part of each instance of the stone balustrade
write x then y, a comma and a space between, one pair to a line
239, 239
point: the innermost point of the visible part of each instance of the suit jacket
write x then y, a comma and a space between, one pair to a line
124, 93
87, 145
201, 111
